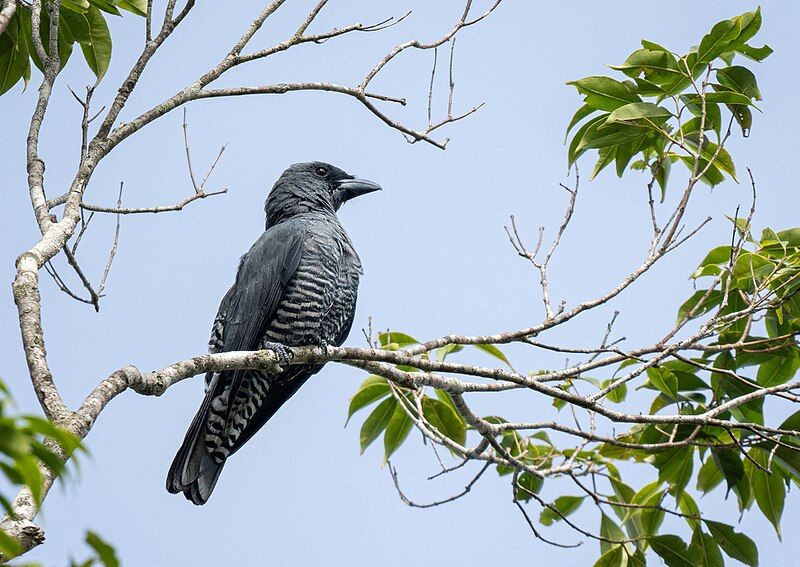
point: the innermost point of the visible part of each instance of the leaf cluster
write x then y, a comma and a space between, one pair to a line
668, 109
397, 407
27, 445
81, 22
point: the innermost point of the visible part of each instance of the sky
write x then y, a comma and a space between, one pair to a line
435, 255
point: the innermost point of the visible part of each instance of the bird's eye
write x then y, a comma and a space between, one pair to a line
321, 171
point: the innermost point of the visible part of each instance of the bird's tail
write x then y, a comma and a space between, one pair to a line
195, 469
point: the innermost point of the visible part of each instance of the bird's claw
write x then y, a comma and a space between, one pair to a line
282, 352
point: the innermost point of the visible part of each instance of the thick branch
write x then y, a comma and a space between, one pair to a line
9, 7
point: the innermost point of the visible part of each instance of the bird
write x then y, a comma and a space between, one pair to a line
296, 286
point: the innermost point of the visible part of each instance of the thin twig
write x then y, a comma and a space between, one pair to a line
113, 251
409, 502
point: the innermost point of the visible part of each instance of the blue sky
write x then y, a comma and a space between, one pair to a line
432, 243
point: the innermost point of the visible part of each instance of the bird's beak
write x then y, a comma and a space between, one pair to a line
355, 187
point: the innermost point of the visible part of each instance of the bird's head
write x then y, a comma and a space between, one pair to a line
313, 186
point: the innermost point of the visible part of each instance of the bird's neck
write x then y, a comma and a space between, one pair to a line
307, 215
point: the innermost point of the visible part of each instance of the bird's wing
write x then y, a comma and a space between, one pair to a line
260, 282
243, 313
289, 381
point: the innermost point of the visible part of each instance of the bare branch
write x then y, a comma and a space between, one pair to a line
160, 209
94, 297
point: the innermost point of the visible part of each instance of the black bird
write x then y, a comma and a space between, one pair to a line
296, 286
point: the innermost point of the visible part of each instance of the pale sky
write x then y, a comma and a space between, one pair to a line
435, 255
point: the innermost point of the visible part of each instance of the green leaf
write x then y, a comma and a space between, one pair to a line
665, 380
106, 6
445, 351
779, 368
14, 60
138, 7
718, 255
730, 464
728, 97
672, 550
755, 53
735, 545
727, 35
791, 237
751, 411
712, 175
376, 422
605, 93
743, 116
652, 518
78, 25
605, 157
614, 557
717, 41
652, 46
640, 112
68, 441
598, 135
573, 153
397, 430
371, 390
740, 80
565, 505
446, 398
97, 50
495, 352
711, 152
395, 337
769, 489
709, 476
689, 507
106, 553
611, 531
31, 476
701, 302
660, 170
7, 506
618, 394
750, 23
75, 5
658, 66
675, 468
445, 419
625, 152
9, 546
579, 115
705, 550
788, 460
48, 458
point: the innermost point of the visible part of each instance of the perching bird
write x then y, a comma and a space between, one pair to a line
296, 286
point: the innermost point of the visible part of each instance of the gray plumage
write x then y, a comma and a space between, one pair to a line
297, 285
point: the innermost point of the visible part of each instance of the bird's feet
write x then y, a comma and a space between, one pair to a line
322, 343
282, 352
